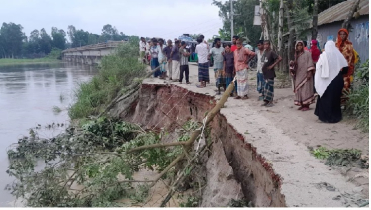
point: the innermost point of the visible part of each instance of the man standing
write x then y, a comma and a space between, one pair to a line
142, 49
175, 60
167, 50
184, 68
217, 53
154, 57
148, 55
234, 39
259, 71
203, 63
270, 59
161, 58
241, 55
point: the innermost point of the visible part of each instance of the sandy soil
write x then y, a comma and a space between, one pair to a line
282, 134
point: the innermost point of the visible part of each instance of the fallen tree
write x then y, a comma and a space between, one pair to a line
93, 165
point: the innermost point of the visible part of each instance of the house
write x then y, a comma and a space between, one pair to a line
330, 21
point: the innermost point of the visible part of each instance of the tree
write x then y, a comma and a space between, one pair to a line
315, 20
71, 33
59, 40
78, 37
93, 39
346, 23
11, 39
109, 33
243, 20
45, 42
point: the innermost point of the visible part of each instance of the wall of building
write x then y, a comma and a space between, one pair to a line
359, 35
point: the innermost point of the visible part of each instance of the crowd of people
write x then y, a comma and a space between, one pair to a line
326, 74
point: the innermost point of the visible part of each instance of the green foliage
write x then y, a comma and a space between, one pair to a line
321, 153
190, 202
6, 62
55, 53
341, 157
243, 22
338, 157
362, 73
239, 203
11, 37
92, 157
140, 193
358, 103
117, 71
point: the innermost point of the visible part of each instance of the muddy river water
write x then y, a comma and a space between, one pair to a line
28, 94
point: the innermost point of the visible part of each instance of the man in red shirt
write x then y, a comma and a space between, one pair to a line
234, 39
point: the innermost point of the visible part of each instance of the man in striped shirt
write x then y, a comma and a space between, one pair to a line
184, 68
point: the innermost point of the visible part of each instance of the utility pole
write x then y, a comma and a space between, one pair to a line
231, 17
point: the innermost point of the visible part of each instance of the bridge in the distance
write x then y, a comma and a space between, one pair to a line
90, 54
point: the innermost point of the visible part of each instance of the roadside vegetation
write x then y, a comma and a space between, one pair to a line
117, 71
341, 157
358, 104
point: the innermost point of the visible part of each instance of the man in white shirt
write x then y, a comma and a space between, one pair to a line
162, 58
142, 48
202, 50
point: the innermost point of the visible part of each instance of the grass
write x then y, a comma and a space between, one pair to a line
10, 61
117, 71
339, 157
358, 103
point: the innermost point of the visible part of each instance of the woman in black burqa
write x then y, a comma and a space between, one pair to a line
329, 83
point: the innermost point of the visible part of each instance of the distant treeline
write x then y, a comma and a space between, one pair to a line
15, 44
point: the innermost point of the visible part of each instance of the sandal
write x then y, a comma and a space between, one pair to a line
237, 97
245, 97
300, 108
305, 109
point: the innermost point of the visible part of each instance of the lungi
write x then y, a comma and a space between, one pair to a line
242, 86
203, 72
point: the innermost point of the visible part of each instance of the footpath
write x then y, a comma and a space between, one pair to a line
283, 135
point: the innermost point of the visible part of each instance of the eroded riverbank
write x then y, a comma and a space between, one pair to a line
266, 149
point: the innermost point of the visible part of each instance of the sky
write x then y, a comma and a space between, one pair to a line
161, 18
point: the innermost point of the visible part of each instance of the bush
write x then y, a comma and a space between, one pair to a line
54, 54
116, 72
358, 97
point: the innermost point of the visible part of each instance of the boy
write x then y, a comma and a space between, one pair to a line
269, 59
184, 68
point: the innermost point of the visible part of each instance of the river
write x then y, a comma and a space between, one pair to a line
28, 94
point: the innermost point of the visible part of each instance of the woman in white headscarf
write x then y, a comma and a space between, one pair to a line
329, 83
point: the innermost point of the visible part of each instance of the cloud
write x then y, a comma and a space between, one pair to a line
161, 18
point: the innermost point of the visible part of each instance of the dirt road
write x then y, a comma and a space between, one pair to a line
282, 134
